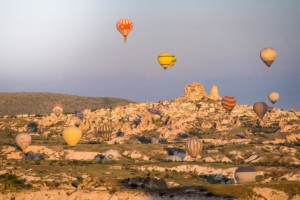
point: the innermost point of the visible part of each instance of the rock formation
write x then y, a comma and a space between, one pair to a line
150, 133
194, 91
214, 93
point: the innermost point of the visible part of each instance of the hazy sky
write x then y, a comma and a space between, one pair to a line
73, 47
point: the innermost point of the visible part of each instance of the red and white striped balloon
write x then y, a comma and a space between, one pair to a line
124, 26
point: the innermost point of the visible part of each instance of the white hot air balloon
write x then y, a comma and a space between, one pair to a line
273, 97
23, 140
245, 174
268, 55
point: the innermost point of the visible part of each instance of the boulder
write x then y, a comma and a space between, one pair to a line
174, 158
214, 93
194, 91
206, 125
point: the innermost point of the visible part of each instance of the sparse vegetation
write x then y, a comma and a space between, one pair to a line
41, 103
150, 157
12, 182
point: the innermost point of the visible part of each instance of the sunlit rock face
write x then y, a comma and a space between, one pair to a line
214, 93
194, 91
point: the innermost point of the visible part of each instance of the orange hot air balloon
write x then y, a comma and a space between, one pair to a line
124, 26
228, 102
72, 135
260, 108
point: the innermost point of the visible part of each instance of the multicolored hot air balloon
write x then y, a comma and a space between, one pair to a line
166, 60
273, 97
260, 108
124, 26
268, 55
245, 174
72, 135
57, 109
23, 140
193, 146
105, 131
228, 102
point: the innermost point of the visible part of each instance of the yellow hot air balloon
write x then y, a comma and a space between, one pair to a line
268, 55
23, 140
72, 135
166, 60
273, 97
173, 61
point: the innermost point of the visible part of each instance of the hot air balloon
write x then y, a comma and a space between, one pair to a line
57, 109
105, 131
173, 61
273, 97
260, 108
268, 55
23, 140
166, 60
228, 102
72, 135
245, 174
124, 26
193, 146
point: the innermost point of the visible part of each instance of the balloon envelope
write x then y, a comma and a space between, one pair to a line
173, 61
105, 131
166, 60
23, 140
268, 55
124, 26
228, 103
260, 108
245, 174
57, 109
193, 146
273, 97
72, 135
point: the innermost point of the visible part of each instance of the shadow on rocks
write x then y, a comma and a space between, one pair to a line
145, 183
33, 156
217, 179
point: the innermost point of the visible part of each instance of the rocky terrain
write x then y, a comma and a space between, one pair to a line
146, 158
40, 103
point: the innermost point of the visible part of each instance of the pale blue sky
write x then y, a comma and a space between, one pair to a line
73, 47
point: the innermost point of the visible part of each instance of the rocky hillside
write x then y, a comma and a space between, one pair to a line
146, 153
41, 103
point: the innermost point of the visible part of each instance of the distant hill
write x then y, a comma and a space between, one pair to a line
41, 103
